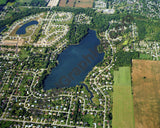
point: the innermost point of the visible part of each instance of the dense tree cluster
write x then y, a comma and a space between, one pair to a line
6, 124
77, 32
148, 29
125, 58
41, 80
3, 2
38, 3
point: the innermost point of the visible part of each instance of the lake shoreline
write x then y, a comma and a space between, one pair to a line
75, 54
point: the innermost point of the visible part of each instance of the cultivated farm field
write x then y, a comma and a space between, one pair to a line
62, 3
123, 113
146, 93
76, 3
84, 3
68, 3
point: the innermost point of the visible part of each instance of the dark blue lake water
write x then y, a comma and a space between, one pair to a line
75, 62
1, 8
22, 29
1, 29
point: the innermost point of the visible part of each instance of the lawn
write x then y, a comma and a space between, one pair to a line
123, 113
146, 93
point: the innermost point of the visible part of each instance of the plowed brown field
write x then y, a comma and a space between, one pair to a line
76, 3
146, 93
84, 3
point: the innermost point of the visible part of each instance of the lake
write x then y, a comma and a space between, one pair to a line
1, 29
22, 29
75, 62
1, 7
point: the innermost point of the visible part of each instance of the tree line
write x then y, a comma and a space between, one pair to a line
21, 14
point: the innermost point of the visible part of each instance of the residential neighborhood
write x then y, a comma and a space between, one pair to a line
71, 63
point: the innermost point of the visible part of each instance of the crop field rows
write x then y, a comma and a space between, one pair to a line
76, 3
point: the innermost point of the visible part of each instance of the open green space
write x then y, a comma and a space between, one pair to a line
3, 2
122, 77
23, 1
144, 56
148, 29
123, 112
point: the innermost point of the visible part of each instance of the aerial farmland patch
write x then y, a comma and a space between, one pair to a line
123, 113
84, 3
146, 93
67, 3
76, 3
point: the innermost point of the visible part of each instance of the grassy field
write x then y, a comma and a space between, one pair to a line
122, 77
123, 114
145, 56
146, 93
23, 1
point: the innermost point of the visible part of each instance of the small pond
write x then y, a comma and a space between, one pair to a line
22, 29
